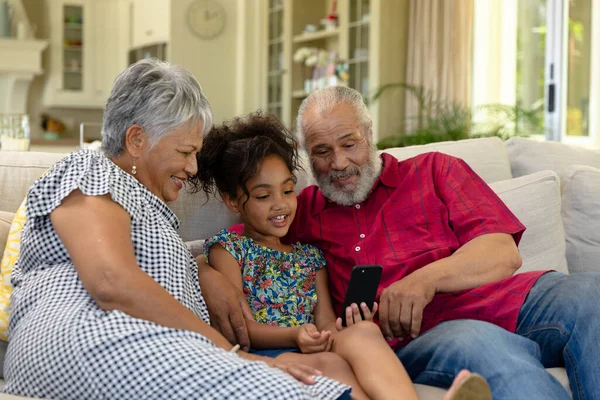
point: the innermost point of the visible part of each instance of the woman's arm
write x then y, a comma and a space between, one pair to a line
96, 232
324, 315
262, 336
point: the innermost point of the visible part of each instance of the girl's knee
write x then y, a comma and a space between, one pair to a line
357, 335
363, 330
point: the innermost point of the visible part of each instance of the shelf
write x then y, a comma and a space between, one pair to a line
358, 60
56, 142
275, 41
276, 8
72, 71
354, 24
278, 104
276, 72
73, 48
299, 94
308, 37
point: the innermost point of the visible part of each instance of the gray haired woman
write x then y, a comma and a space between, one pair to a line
106, 300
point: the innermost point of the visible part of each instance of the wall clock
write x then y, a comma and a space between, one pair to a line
206, 18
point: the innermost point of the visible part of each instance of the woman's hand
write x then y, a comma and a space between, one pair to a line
353, 315
300, 372
226, 305
310, 340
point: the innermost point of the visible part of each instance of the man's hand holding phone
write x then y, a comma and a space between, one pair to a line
353, 315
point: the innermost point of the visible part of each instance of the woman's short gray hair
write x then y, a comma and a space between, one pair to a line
324, 100
157, 96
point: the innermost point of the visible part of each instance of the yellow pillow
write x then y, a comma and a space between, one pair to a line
11, 253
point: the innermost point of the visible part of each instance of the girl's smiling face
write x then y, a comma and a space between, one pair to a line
270, 209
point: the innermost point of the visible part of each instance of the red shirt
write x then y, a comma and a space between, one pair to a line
419, 211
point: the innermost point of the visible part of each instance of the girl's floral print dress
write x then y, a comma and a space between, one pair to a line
280, 287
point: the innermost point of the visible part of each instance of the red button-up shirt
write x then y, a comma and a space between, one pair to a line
419, 211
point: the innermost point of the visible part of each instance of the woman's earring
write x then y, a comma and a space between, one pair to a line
134, 168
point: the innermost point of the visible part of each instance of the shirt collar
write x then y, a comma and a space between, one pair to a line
388, 177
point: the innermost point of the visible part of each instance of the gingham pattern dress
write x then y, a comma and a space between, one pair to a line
63, 346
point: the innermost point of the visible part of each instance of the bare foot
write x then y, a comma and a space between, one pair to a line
468, 386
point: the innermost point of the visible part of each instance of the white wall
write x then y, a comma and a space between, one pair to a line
226, 66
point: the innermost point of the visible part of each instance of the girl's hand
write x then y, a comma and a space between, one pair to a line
353, 315
310, 340
300, 372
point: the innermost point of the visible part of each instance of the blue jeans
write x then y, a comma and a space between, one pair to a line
558, 326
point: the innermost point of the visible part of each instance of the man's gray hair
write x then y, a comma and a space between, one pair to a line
157, 96
325, 100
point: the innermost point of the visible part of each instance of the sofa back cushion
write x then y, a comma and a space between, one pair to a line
18, 171
536, 200
581, 217
201, 217
487, 157
528, 156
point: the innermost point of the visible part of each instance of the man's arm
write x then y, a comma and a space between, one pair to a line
474, 210
485, 259
226, 305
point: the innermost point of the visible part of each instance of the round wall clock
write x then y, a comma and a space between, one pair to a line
206, 18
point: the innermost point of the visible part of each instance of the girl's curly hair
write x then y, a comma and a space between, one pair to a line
232, 153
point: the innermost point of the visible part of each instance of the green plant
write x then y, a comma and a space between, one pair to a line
439, 121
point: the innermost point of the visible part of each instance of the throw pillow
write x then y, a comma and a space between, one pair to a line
581, 217
6, 219
9, 258
536, 201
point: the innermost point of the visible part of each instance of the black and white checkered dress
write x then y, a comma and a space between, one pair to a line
63, 346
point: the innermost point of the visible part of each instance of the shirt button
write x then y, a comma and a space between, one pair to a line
357, 206
362, 235
357, 248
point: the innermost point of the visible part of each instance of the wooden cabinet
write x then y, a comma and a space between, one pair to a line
89, 42
151, 22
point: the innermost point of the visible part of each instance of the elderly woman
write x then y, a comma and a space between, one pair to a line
106, 301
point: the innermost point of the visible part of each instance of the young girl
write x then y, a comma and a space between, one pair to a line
251, 162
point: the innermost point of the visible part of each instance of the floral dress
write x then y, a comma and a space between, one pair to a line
280, 287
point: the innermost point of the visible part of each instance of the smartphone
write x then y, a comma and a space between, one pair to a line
362, 288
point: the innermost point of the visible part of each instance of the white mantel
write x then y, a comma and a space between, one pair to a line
20, 61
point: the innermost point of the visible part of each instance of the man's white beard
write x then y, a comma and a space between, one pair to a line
351, 193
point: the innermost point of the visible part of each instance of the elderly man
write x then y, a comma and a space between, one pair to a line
448, 247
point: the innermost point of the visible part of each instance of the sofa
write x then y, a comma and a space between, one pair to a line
552, 188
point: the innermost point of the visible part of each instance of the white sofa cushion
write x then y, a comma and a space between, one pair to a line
487, 156
535, 200
581, 217
528, 156
18, 171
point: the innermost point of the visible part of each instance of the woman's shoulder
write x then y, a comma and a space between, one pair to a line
89, 171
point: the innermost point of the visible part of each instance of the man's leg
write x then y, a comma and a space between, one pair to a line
510, 363
562, 315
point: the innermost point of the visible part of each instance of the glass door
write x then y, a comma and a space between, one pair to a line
543, 58
73, 48
572, 66
275, 60
359, 24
